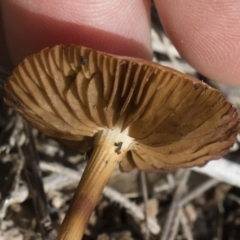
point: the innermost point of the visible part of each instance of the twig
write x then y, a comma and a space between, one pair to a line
222, 170
132, 208
163, 187
11, 186
33, 177
171, 218
185, 225
198, 191
145, 198
171, 181
234, 198
175, 226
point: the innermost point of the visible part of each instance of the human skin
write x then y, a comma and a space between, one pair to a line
206, 33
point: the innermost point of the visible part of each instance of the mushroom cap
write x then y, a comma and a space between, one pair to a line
72, 92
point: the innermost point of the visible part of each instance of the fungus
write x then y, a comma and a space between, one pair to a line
138, 113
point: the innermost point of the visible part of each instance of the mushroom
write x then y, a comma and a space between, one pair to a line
138, 113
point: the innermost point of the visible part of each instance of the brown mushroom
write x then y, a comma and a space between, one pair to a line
140, 114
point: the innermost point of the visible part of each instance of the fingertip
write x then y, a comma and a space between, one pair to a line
206, 34
118, 27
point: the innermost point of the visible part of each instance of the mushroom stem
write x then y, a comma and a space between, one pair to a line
109, 148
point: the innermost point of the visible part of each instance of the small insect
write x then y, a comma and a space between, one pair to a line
119, 147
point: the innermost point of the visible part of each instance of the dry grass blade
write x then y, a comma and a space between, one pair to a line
217, 170
33, 177
198, 191
175, 226
172, 220
12, 185
145, 198
185, 225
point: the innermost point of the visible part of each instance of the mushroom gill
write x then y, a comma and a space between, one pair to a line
140, 114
